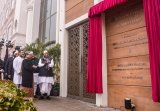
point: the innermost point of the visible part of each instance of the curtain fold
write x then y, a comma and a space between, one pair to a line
152, 16
94, 72
94, 67
103, 6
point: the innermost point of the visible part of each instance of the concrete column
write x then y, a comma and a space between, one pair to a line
36, 19
102, 99
59, 11
97, 1
29, 24
64, 49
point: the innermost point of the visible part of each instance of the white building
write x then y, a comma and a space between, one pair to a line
20, 21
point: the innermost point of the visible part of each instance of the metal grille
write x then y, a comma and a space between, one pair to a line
78, 54
85, 56
73, 71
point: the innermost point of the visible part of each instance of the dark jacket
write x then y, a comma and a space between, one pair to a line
35, 61
9, 67
27, 73
45, 71
1, 64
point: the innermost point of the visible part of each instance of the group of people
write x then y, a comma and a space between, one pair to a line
25, 69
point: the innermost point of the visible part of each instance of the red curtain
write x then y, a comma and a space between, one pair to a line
103, 6
94, 68
94, 75
152, 16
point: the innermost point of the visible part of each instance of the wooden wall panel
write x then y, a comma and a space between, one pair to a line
78, 9
119, 21
141, 97
129, 71
130, 43
128, 61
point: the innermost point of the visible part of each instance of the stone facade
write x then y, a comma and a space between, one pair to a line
18, 18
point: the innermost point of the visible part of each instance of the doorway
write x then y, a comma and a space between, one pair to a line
77, 65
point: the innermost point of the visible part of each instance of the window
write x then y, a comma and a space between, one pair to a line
47, 30
53, 28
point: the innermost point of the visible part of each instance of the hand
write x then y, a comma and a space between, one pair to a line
46, 62
6, 74
34, 66
9, 76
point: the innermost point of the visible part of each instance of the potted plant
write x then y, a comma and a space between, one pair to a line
12, 98
56, 88
37, 47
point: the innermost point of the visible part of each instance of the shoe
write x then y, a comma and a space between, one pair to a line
48, 97
35, 96
41, 97
45, 94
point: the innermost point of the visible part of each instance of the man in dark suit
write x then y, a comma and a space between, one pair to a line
1, 68
9, 72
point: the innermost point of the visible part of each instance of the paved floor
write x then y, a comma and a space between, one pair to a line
67, 104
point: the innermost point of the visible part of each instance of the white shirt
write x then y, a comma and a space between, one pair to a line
17, 63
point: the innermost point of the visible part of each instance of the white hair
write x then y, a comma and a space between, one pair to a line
30, 52
45, 51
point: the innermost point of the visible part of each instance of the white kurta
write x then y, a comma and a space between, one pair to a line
45, 79
45, 83
17, 63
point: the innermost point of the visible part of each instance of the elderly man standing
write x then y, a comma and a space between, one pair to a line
45, 78
17, 63
27, 74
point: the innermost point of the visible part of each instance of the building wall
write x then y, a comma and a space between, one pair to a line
75, 13
127, 57
33, 17
16, 20
7, 11
21, 16
75, 9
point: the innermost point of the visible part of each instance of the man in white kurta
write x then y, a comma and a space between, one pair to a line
45, 78
17, 63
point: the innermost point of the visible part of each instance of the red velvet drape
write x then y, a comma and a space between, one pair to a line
94, 75
94, 68
103, 6
152, 16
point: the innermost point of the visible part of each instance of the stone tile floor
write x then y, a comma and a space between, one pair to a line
67, 104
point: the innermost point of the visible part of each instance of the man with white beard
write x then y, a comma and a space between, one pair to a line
17, 63
45, 78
